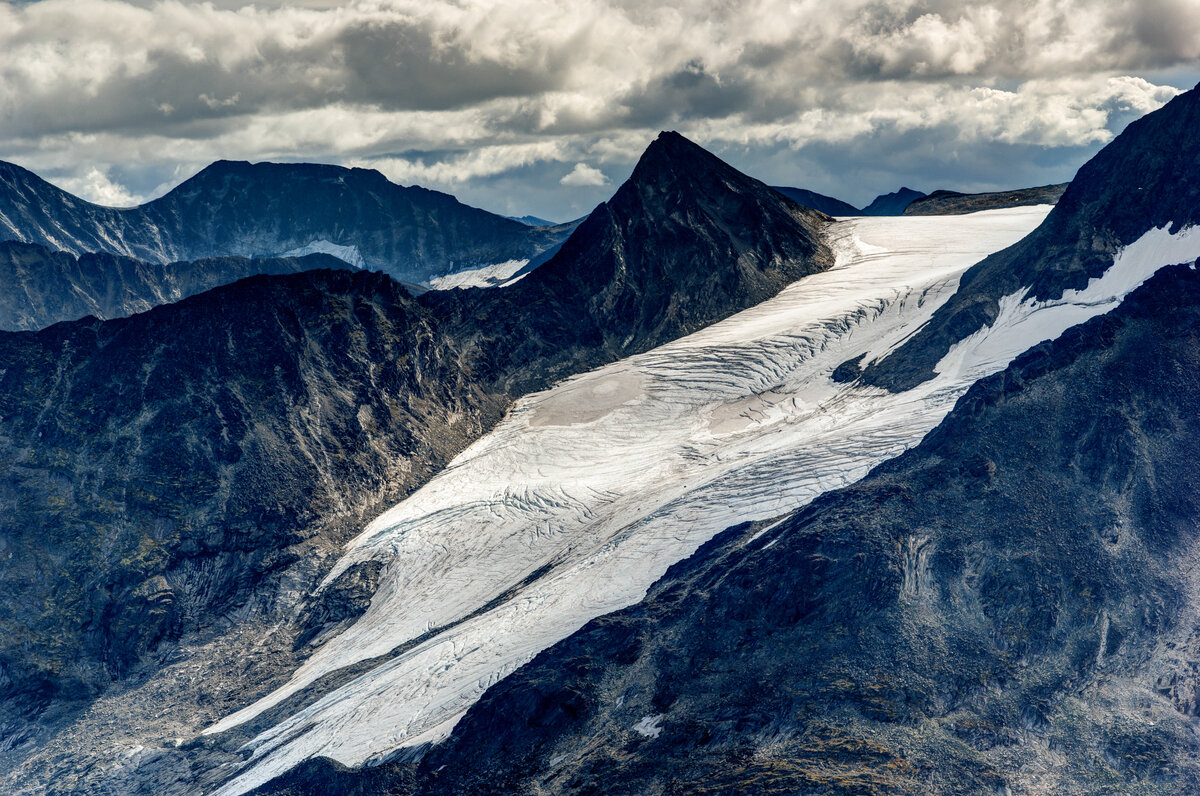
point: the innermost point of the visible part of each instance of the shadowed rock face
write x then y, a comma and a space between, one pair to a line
43, 287
1148, 177
941, 203
272, 209
1010, 604
187, 471
820, 202
892, 204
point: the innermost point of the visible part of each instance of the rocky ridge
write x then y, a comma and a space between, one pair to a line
940, 203
45, 287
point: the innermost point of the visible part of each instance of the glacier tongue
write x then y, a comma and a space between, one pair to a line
587, 492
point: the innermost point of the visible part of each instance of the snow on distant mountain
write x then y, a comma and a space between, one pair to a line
348, 254
498, 275
587, 492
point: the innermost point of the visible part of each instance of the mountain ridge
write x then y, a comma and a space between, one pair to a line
238, 208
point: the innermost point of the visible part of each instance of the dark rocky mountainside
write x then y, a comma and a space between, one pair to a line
891, 204
175, 482
44, 287
684, 242
825, 204
1147, 177
942, 203
269, 210
1008, 607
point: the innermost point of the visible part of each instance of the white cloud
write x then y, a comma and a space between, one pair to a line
95, 186
458, 93
582, 175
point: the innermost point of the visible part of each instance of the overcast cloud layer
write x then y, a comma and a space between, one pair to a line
541, 106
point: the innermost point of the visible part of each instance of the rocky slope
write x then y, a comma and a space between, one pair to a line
1146, 178
271, 210
174, 481
43, 287
940, 203
825, 204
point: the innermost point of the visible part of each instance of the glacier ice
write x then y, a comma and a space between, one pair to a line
584, 495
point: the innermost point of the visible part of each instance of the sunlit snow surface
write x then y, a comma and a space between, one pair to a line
601, 483
496, 275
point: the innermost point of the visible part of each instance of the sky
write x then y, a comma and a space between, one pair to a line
543, 106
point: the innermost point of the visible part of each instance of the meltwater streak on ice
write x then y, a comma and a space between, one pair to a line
604, 481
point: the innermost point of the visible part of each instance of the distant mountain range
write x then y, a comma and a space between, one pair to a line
826, 204
43, 287
274, 210
941, 203
892, 204
914, 203
533, 221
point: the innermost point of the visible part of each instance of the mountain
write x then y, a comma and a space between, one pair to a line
891, 204
271, 210
1143, 180
45, 287
825, 204
178, 480
950, 202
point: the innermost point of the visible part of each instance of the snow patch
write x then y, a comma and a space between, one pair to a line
497, 275
348, 254
599, 484
649, 726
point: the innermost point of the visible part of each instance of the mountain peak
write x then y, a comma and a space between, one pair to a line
671, 155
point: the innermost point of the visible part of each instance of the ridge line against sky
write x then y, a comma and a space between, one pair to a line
541, 106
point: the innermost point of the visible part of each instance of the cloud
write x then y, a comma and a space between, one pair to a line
582, 175
462, 95
96, 186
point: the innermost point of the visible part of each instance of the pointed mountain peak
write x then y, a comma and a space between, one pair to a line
671, 156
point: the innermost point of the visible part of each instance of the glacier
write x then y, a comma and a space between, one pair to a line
587, 492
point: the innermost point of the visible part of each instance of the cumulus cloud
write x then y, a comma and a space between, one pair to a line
462, 95
582, 175
96, 186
